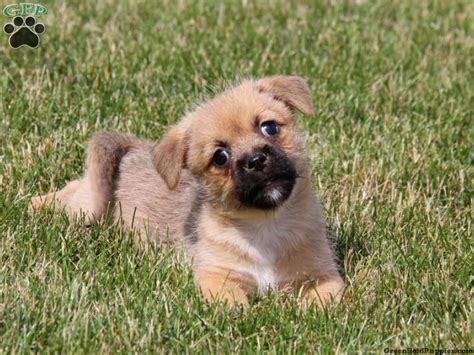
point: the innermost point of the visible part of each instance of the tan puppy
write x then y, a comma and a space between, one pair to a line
231, 183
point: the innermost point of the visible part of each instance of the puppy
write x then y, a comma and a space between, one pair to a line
230, 182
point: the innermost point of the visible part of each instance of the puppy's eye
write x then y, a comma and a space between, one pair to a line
221, 157
269, 128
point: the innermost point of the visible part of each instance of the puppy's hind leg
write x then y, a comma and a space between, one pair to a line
62, 197
92, 195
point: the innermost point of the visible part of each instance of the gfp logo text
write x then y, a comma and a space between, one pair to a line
23, 9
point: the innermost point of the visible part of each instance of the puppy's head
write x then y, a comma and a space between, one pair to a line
242, 146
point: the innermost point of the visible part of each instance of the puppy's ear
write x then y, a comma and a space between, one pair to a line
169, 155
292, 90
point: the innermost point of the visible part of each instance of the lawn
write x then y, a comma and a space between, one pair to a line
390, 148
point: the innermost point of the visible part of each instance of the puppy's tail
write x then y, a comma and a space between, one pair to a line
105, 151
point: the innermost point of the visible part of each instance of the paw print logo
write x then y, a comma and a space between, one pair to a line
24, 32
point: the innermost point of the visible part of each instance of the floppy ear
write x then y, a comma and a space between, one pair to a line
169, 155
292, 90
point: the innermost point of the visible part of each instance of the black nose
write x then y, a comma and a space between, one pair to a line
257, 162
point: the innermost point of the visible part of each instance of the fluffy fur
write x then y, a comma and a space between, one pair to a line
237, 245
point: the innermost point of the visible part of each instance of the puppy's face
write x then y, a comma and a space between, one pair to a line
242, 146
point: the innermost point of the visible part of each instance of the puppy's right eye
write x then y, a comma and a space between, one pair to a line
269, 128
221, 157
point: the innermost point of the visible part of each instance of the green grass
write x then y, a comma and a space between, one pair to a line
390, 147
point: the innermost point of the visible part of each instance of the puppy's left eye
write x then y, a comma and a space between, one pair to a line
221, 157
269, 128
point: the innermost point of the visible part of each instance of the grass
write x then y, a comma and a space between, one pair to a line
390, 146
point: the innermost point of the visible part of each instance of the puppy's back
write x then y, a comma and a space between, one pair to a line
145, 203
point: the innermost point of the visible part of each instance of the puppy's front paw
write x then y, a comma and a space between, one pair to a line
321, 292
222, 285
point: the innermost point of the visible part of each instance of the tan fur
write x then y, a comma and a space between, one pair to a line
172, 145
171, 191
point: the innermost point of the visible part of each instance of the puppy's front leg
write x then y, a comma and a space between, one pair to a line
224, 285
321, 291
